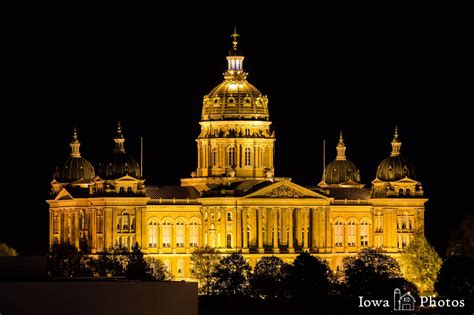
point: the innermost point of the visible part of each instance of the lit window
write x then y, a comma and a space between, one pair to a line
214, 156
338, 233
351, 234
229, 216
248, 157
166, 234
193, 234
180, 266
231, 156
180, 234
153, 234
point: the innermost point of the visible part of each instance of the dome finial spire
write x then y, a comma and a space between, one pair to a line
234, 36
75, 144
341, 148
119, 139
396, 143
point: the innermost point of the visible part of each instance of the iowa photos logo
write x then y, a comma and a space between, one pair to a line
405, 302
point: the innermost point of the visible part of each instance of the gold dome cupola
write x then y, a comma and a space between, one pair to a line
235, 98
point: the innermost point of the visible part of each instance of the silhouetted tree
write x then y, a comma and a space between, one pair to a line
64, 260
204, 261
421, 263
308, 279
374, 274
456, 279
159, 271
230, 276
107, 264
5, 250
137, 267
268, 278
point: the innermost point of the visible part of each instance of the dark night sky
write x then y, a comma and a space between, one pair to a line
321, 75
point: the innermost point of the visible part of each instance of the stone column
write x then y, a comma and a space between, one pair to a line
223, 228
290, 225
76, 233
260, 249
276, 249
315, 228
173, 237
305, 218
238, 228
245, 248
186, 237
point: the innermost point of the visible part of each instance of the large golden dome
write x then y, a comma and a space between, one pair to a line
235, 98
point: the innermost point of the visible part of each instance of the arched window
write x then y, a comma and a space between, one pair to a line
400, 192
214, 156
129, 190
166, 233
229, 241
231, 156
180, 234
122, 190
248, 156
351, 234
180, 270
229, 216
123, 222
153, 234
193, 234
338, 233
364, 233
408, 192
405, 221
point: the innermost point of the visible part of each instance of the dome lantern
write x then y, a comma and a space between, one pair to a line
396, 144
341, 149
119, 140
235, 60
75, 145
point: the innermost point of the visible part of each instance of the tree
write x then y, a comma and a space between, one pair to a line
5, 250
374, 274
230, 276
456, 279
137, 267
204, 261
421, 263
64, 260
308, 278
159, 270
268, 278
108, 264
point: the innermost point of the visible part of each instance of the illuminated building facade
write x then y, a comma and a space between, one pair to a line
234, 201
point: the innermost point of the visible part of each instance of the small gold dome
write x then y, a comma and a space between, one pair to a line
235, 99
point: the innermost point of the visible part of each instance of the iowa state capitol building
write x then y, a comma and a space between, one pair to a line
234, 201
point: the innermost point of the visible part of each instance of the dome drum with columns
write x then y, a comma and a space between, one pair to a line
233, 201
